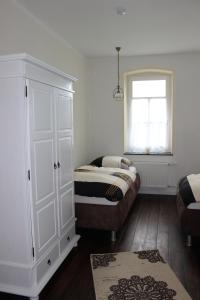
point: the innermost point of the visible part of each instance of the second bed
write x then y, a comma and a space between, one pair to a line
100, 212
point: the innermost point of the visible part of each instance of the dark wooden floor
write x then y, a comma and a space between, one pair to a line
152, 224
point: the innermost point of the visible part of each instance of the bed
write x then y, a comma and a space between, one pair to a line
101, 210
188, 205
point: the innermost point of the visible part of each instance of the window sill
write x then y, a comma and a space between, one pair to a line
149, 154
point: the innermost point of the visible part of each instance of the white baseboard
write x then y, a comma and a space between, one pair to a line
158, 190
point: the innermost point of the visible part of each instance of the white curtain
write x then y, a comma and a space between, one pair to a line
148, 125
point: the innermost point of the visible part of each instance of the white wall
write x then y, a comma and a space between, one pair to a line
106, 123
21, 32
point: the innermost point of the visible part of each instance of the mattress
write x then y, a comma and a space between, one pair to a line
94, 200
194, 205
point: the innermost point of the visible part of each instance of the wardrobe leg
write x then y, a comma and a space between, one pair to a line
113, 236
189, 240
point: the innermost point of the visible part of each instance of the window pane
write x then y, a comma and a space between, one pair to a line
149, 88
139, 110
158, 110
158, 125
138, 124
138, 137
157, 137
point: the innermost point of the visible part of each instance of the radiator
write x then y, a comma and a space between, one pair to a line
153, 174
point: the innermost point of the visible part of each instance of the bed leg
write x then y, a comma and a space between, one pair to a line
189, 240
113, 236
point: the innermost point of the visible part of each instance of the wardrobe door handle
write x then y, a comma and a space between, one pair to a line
55, 166
59, 165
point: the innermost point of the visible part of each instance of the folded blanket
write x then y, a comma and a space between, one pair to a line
189, 188
112, 161
194, 181
109, 183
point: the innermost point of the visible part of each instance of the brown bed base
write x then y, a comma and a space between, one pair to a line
107, 217
189, 219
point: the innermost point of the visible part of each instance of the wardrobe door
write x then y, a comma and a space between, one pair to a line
43, 165
64, 138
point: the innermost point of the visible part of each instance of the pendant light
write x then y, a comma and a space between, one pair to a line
118, 93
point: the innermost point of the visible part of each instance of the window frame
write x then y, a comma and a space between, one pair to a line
149, 74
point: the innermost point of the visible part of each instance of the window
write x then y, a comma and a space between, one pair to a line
148, 112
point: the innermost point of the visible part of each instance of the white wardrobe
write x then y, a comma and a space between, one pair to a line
37, 222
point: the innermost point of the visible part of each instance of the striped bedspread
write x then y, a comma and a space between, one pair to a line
189, 188
109, 183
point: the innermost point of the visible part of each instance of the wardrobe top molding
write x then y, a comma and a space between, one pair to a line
29, 67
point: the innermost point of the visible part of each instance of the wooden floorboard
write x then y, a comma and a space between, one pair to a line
141, 227
150, 241
152, 223
163, 230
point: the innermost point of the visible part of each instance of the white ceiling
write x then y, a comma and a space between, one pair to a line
149, 27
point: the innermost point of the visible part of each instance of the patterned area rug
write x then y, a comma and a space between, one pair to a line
142, 275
